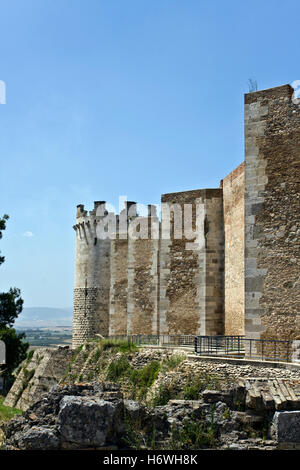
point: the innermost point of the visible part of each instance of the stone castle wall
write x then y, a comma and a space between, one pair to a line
143, 287
182, 273
234, 234
191, 267
272, 219
238, 275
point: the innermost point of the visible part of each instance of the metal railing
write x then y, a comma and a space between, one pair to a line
241, 347
220, 346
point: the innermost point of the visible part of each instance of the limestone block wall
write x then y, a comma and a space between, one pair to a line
214, 262
92, 277
234, 233
134, 278
191, 280
272, 218
118, 287
142, 307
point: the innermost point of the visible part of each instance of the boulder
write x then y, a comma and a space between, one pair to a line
36, 438
285, 427
89, 421
214, 396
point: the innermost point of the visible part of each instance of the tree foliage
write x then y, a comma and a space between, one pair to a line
2, 227
11, 305
15, 349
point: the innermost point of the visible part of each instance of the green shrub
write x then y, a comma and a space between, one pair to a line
196, 385
162, 396
172, 362
117, 368
194, 434
29, 356
143, 378
6, 412
226, 413
121, 345
191, 392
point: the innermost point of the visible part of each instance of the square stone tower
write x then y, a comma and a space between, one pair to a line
272, 214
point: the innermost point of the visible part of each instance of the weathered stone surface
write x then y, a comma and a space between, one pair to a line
213, 396
191, 279
272, 191
89, 421
234, 246
286, 427
36, 376
36, 438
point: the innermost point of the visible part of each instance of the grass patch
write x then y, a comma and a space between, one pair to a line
139, 380
6, 412
194, 435
118, 368
121, 345
172, 362
196, 385
162, 396
29, 356
138, 436
142, 379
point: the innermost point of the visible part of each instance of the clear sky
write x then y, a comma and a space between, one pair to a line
121, 97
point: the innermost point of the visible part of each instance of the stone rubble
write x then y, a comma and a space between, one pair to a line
95, 416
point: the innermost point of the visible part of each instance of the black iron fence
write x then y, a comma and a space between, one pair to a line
222, 346
240, 347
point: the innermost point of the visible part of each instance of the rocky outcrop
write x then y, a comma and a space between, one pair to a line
70, 417
68, 402
48, 367
43, 368
96, 416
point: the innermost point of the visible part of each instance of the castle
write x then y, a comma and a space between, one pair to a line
237, 273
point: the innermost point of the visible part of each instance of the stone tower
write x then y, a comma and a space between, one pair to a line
272, 214
92, 276
116, 286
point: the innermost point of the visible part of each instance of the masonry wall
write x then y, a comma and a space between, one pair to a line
92, 278
191, 269
234, 232
272, 220
118, 287
142, 310
134, 280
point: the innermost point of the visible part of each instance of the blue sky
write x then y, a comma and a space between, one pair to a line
113, 97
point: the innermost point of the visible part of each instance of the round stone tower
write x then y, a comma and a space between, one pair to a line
92, 276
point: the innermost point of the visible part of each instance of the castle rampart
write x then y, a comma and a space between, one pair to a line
234, 272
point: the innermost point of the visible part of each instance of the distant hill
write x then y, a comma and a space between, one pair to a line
44, 316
